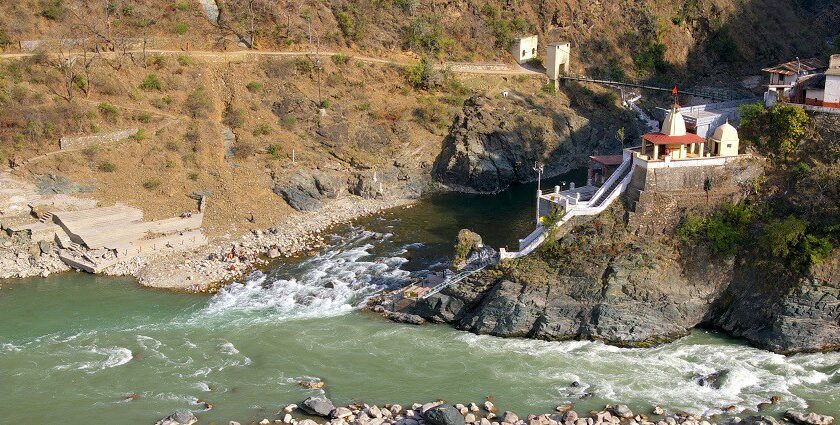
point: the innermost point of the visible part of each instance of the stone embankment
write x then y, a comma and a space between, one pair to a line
20, 258
223, 260
319, 410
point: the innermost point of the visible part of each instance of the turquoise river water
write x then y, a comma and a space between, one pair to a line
73, 347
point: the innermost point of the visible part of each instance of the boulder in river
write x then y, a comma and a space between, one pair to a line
622, 411
809, 419
181, 417
444, 414
318, 405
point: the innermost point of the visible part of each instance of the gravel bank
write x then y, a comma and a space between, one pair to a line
228, 258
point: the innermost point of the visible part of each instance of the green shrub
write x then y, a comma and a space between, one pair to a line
325, 103
340, 59
274, 150
109, 111
182, 5
303, 66
139, 135
548, 88
193, 176
107, 167
421, 75
80, 82
424, 35
151, 184
144, 117
198, 104
254, 86
351, 22
180, 28
52, 9
723, 231
158, 60
778, 130
151, 82
677, 20
652, 58
170, 164
800, 170
790, 241
184, 60
262, 130
289, 122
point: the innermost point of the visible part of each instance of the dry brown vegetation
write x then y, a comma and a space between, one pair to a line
374, 116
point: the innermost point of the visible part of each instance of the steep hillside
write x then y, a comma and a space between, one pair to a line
241, 127
634, 38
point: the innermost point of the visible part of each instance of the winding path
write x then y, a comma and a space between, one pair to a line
238, 55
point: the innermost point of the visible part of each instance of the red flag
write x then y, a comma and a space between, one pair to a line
674, 91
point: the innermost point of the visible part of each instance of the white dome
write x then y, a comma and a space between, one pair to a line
726, 133
674, 124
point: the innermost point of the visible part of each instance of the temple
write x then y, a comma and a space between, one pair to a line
673, 169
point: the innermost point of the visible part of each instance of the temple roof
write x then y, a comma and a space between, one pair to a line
726, 133
664, 139
674, 124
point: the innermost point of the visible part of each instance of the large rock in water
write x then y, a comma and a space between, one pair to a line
181, 417
495, 142
809, 419
318, 405
444, 415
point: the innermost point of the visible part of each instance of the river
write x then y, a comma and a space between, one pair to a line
73, 347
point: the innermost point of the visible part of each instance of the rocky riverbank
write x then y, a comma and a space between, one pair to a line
206, 268
319, 410
225, 259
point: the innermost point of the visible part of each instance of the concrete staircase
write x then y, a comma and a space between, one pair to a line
601, 200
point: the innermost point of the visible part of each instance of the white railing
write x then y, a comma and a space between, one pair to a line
591, 207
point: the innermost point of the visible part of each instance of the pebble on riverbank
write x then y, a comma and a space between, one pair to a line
441, 413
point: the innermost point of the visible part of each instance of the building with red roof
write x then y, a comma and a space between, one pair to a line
672, 141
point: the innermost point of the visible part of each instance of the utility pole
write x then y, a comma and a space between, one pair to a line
539, 169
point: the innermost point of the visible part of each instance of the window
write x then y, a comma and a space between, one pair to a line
729, 145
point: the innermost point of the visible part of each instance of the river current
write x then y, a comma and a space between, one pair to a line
81, 349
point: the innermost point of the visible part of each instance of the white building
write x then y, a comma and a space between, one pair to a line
824, 89
524, 49
725, 141
557, 55
785, 77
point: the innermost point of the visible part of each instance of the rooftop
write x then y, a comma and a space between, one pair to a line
790, 68
664, 139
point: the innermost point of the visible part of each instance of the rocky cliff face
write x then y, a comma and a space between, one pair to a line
495, 142
779, 311
600, 282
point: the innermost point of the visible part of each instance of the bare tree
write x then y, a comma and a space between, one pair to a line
64, 61
240, 18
